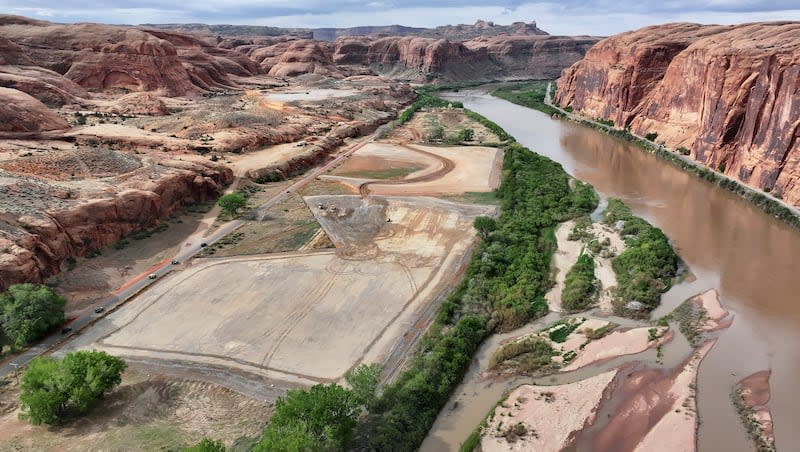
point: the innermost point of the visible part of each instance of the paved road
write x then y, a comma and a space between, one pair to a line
576, 117
191, 247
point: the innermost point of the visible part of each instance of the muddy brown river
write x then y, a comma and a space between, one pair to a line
746, 255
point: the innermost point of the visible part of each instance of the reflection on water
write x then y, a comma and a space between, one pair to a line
728, 244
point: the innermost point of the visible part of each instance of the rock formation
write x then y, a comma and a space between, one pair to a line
728, 94
484, 58
42, 225
109, 57
20, 112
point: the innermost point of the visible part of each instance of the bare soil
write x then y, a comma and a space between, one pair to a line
147, 412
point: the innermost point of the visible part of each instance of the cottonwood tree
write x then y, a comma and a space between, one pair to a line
29, 311
52, 390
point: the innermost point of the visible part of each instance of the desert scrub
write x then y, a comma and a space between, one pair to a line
647, 266
529, 354
690, 318
748, 417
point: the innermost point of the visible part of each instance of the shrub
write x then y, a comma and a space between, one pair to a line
206, 445
580, 285
651, 136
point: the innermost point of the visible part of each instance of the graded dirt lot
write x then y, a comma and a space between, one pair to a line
446, 170
303, 317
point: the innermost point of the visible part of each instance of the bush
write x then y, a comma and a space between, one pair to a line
651, 136
206, 445
53, 390
30, 311
580, 285
321, 418
484, 225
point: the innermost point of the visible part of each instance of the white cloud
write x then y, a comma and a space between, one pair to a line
594, 17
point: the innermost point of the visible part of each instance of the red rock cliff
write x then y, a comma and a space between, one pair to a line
729, 94
35, 240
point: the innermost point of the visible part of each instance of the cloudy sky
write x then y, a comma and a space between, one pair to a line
597, 17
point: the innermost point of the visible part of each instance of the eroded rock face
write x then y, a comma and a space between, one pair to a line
107, 57
35, 242
490, 57
21, 112
729, 94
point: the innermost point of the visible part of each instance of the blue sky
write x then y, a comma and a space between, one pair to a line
596, 17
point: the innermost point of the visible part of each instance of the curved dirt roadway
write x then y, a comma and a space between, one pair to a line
447, 166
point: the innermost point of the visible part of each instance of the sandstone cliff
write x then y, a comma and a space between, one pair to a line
729, 94
43, 224
484, 58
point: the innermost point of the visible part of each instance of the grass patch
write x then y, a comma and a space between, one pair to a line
528, 94
477, 197
388, 173
160, 436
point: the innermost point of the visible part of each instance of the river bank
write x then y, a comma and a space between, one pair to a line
729, 244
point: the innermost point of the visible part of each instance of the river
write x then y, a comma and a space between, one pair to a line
746, 255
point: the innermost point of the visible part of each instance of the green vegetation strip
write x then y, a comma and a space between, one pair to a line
530, 94
535, 100
580, 285
647, 266
503, 288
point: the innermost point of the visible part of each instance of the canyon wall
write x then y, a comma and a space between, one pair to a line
730, 95
35, 243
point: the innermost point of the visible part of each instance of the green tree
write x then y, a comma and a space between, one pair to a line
320, 418
232, 202
484, 225
206, 445
52, 390
293, 438
30, 311
363, 381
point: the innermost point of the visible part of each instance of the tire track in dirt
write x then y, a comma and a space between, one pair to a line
298, 315
447, 166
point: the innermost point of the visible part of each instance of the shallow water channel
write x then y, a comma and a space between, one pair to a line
731, 246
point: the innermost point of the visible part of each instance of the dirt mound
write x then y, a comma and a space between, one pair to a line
20, 112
